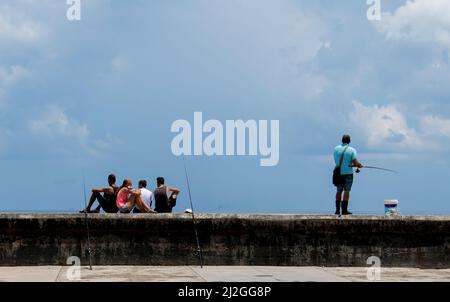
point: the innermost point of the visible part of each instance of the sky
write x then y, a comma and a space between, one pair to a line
99, 96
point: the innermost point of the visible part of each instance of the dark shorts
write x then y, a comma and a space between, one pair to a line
109, 206
348, 183
163, 207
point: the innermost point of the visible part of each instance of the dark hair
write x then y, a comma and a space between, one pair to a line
160, 181
143, 183
346, 139
112, 178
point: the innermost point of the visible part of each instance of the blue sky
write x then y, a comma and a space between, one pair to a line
99, 95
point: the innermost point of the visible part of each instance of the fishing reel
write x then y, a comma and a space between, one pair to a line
358, 170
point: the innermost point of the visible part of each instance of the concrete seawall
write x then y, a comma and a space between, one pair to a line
275, 240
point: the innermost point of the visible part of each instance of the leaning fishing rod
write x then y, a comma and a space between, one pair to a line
199, 249
87, 224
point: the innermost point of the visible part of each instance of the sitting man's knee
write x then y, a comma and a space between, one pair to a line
97, 194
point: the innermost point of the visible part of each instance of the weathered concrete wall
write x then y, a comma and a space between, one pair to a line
162, 239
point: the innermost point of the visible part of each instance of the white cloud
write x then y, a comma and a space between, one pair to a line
108, 141
419, 20
66, 135
17, 27
55, 124
435, 126
385, 128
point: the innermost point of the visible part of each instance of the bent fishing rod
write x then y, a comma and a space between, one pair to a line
87, 224
199, 249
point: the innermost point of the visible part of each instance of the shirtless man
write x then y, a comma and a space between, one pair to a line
107, 201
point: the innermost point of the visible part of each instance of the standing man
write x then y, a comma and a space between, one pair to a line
347, 156
107, 201
164, 203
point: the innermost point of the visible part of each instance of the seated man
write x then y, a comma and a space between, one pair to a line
128, 198
146, 196
107, 201
164, 203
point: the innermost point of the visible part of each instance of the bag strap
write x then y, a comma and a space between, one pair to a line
342, 156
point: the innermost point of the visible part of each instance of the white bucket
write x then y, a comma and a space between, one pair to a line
391, 207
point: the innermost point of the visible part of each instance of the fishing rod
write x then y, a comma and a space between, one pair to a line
87, 224
199, 249
375, 168
378, 168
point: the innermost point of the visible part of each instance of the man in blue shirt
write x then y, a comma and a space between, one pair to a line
348, 156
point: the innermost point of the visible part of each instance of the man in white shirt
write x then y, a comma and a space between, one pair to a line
146, 195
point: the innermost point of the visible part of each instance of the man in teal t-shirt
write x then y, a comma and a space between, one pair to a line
349, 161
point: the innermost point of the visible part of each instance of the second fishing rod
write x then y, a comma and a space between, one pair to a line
199, 249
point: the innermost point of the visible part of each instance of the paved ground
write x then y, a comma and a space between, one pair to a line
219, 273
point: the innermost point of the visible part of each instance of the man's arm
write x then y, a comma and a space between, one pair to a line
357, 164
175, 191
135, 192
108, 190
355, 161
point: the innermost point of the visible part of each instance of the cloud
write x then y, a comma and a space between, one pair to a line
271, 43
419, 20
9, 77
435, 126
60, 134
384, 127
18, 27
55, 124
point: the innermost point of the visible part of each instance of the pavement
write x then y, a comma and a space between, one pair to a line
215, 274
